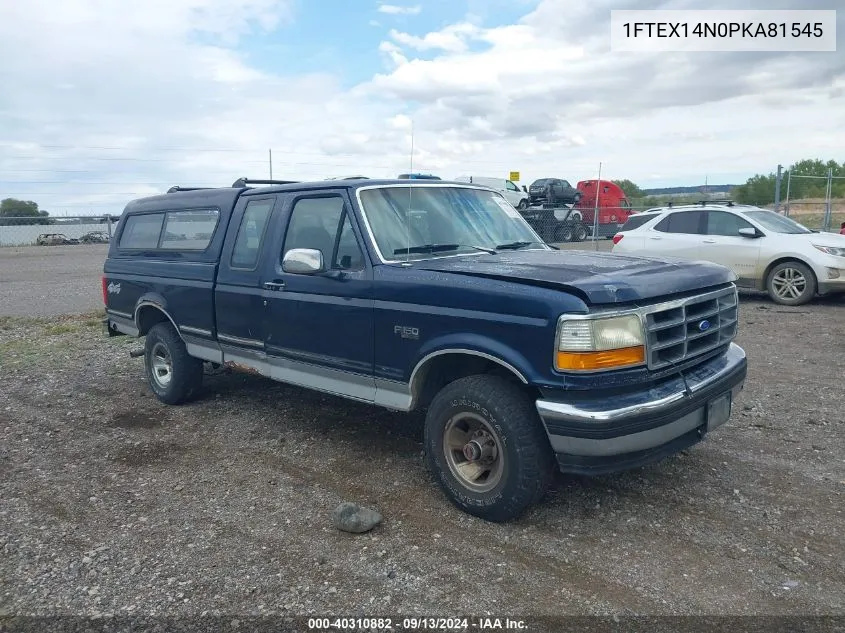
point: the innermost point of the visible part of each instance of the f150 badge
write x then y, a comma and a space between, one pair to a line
114, 288
406, 331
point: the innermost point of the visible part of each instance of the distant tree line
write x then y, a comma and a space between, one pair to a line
760, 189
17, 212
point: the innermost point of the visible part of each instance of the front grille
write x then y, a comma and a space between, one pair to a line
679, 330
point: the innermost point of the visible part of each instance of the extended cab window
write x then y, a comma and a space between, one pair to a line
189, 230
250, 234
681, 222
323, 224
723, 223
141, 231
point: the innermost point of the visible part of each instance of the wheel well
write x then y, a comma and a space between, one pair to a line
447, 368
148, 316
765, 281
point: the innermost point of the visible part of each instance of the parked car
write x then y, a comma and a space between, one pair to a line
54, 239
437, 297
95, 237
553, 191
513, 194
767, 251
842, 229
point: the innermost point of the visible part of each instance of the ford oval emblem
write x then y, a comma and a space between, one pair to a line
704, 325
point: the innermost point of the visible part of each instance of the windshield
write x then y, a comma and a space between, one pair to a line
777, 223
417, 222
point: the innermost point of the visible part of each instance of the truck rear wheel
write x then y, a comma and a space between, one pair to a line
580, 233
563, 233
486, 447
174, 376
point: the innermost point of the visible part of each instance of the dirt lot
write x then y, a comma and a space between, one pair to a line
113, 503
51, 280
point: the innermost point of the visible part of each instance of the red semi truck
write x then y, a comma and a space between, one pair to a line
575, 223
614, 208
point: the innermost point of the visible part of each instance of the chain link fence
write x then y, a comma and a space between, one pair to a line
30, 231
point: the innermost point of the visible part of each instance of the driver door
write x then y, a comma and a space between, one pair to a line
319, 326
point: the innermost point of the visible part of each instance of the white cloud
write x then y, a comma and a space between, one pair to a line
393, 9
452, 38
543, 96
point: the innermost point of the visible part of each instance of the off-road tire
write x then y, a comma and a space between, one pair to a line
777, 274
528, 461
186, 371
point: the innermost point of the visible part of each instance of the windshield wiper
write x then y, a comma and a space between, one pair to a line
514, 245
434, 248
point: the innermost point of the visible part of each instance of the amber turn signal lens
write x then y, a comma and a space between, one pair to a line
610, 359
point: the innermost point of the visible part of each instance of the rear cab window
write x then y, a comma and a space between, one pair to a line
141, 231
189, 230
182, 230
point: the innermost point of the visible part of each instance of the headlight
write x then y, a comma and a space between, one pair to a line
599, 343
831, 250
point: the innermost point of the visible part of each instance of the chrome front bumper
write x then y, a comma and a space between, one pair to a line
592, 433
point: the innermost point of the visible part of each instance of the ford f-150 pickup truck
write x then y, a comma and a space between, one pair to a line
438, 296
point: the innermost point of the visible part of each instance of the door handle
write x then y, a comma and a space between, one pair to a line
655, 238
709, 241
274, 285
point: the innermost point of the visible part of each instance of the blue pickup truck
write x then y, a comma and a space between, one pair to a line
433, 296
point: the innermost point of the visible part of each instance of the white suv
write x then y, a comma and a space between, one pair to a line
767, 251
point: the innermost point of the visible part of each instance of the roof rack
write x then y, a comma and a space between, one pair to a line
243, 182
704, 203
176, 188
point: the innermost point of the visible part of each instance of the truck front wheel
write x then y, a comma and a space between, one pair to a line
174, 376
486, 447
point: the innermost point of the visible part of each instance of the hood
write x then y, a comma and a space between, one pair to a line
601, 278
822, 239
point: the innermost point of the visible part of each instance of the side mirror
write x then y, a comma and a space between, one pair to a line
303, 261
753, 233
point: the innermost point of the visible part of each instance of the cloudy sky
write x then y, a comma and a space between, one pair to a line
105, 100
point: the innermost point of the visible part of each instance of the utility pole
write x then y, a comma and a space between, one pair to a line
828, 194
596, 213
271, 163
778, 182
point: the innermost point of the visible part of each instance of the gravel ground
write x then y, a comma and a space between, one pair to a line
51, 280
111, 502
